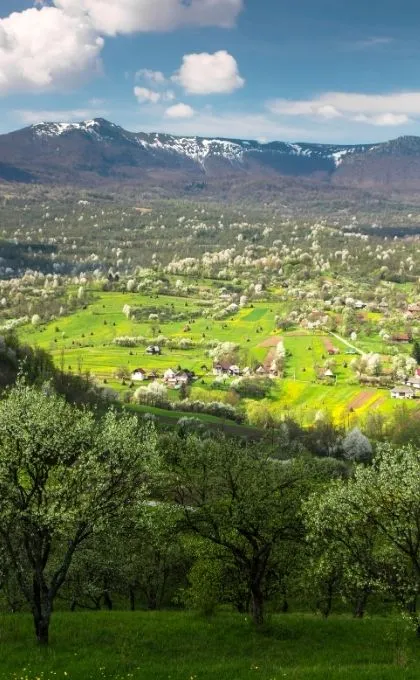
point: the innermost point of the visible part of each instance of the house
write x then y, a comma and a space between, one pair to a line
400, 337
359, 304
261, 370
417, 372
328, 373
414, 308
183, 378
220, 369
234, 370
224, 368
153, 375
153, 349
178, 378
402, 393
414, 382
138, 375
169, 375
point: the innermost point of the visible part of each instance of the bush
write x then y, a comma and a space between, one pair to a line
214, 408
154, 394
253, 388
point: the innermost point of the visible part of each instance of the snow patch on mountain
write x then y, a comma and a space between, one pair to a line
195, 148
198, 149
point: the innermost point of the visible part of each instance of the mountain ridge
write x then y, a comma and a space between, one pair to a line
99, 151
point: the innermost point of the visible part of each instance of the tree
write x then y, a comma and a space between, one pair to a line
226, 352
416, 352
356, 446
343, 550
259, 415
242, 501
63, 476
375, 519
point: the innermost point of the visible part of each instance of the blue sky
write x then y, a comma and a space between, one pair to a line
301, 70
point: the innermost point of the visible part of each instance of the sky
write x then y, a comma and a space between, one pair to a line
339, 71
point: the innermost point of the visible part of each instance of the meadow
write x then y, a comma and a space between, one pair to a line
183, 646
83, 342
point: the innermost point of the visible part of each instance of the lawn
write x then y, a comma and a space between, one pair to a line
183, 646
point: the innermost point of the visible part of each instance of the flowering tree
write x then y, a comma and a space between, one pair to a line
356, 446
63, 476
374, 518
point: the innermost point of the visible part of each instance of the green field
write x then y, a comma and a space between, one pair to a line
84, 342
182, 646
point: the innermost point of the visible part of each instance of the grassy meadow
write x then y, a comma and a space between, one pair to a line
183, 646
83, 342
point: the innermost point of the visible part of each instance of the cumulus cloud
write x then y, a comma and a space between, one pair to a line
156, 77
57, 42
44, 49
180, 111
146, 96
111, 17
143, 95
374, 109
206, 73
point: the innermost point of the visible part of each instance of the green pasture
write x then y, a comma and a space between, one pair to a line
85, 339
309, 351
174, 645
83, 342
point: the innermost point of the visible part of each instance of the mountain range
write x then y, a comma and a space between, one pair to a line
99, 152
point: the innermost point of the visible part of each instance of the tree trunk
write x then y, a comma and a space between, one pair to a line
359, 610
107, 601
42, 625
132, 599
257, 605
41, 610
152, 602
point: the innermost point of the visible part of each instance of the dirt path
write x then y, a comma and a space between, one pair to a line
270, 342
359, 401
338, 337
269, 359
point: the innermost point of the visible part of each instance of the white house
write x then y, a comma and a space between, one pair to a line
138, 375
176, 379
234, 370
169, 375
402, 393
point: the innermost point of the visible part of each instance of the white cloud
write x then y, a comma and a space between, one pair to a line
375, 109
143, 94
239, 125
384, 119
329, 112
209, 73
30, 117
156, 77
180, 111
111, 17
45, 49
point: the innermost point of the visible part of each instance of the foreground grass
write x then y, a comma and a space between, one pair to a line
181, 646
